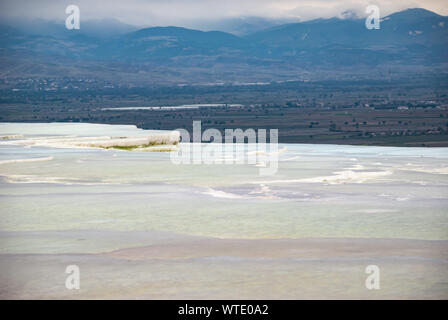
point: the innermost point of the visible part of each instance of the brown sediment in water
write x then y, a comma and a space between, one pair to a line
183, 267
312, 248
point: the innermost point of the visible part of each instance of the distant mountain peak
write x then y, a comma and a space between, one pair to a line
414, 13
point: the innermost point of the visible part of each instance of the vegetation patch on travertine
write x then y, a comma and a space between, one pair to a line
139, 143
158, 148
15, 136
147, 147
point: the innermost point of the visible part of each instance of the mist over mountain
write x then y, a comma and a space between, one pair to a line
414, 37
242, 26
102, 28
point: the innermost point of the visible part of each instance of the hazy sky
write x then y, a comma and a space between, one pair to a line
190, 12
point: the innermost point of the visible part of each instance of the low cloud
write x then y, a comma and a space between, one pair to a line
193, 12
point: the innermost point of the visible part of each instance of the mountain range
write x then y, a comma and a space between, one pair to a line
414, 37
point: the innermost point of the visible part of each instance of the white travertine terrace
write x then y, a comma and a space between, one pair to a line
170, 138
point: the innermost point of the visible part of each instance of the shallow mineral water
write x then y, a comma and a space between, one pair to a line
140, 226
